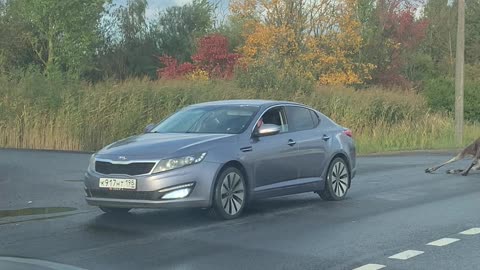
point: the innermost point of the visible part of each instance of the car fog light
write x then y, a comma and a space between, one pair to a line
177, 194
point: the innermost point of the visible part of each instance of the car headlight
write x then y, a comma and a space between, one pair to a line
175, 163
91, 163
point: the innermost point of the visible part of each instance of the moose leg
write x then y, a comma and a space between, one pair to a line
474, 163
456, 171
456, 158
476, 167
465, 172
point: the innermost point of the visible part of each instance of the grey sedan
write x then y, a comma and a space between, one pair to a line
223, 155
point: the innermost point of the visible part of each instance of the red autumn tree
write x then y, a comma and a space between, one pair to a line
212, 57
405, 34
171, 69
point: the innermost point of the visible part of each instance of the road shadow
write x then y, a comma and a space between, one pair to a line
138, 222
283, 204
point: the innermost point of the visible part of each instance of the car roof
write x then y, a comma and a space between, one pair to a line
247, 102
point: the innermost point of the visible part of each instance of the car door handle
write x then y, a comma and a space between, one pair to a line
246, 149
325, 137
291, 142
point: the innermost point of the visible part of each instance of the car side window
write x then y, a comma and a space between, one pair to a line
300, 118
275, 116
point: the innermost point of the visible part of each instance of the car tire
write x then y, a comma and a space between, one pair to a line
114, 210
229, 194
337, 181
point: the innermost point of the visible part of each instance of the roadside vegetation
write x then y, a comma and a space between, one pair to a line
36, 112
86, 75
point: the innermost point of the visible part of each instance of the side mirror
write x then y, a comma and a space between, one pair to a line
267, 130
148, 128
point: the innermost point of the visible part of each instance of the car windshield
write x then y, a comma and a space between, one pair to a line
208, 119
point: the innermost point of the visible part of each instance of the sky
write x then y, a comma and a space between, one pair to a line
154, 6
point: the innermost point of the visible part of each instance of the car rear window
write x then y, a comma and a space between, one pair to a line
299, 118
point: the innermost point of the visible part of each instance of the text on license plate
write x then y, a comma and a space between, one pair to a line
115, 183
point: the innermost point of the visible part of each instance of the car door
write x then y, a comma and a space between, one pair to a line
310, 141
273, 154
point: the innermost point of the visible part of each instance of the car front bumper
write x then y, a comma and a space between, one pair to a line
125, 203
147, 193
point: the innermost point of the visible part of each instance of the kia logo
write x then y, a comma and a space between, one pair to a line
122, 158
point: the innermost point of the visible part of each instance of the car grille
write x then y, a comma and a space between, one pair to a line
136, 168
126, 195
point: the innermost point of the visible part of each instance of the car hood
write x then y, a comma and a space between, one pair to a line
157, 145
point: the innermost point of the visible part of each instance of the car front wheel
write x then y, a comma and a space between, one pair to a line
229, 196
337, 181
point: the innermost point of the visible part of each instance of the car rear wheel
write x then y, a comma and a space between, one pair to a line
337, 181
230, 192
114, 210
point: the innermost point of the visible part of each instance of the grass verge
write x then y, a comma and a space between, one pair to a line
37, 113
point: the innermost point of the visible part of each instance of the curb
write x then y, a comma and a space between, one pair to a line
413, 152
47, 150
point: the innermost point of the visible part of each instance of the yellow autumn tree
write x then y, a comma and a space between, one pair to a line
316, 38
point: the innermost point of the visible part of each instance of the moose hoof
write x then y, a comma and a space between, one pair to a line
457, 171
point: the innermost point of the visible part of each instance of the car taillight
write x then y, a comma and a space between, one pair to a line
348, 132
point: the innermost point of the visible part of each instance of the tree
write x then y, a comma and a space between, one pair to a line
132, 45
472, 32
15, 51
232, 30
172, 69
316, 38
406, 33
211, 59
393, 35
129, 46
61, 34
440, 36
177, 28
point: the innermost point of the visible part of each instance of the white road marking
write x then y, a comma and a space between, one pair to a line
443, 242
370, 266
405, 255
471, 231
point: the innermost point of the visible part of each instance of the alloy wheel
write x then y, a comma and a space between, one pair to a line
339, 179
232, 193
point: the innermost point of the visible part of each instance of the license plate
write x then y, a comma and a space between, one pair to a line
115, 183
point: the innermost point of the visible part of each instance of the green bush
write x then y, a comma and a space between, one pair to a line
472, 72
440, 95
419, 67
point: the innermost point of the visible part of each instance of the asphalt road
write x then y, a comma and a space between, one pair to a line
393, 209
